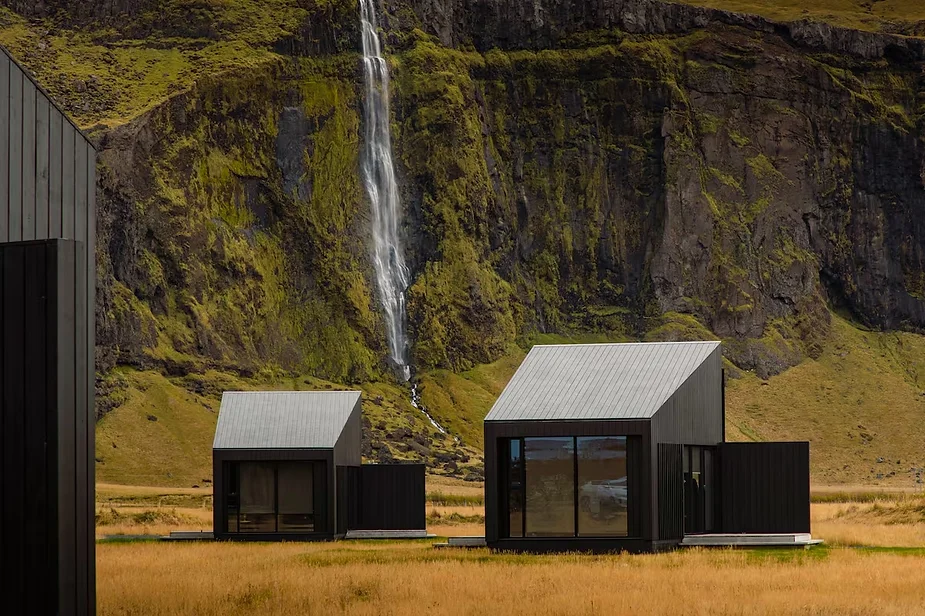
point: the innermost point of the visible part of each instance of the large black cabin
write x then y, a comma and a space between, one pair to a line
610, 447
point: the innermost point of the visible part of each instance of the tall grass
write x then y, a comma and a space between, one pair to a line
412, 578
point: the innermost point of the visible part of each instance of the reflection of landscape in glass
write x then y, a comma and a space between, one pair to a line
602, 486
550, 489
258, 496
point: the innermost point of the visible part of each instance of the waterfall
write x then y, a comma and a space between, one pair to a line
378, 174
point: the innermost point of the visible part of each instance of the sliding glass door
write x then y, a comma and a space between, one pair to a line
550, 486
271, 497
566, 487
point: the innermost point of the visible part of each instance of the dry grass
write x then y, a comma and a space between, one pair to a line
441, 484
412, 578
123, 520
898, 522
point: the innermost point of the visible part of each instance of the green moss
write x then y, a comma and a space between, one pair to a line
674, 326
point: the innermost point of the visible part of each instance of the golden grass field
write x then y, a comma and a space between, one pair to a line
412, 578
873, 563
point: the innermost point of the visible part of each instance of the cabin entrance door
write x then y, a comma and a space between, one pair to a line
699, 490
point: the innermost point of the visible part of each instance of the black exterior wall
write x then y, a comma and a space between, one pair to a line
386, 497
670, 492
47, 539
764, 487
48, 191
755, 487
693, 415
641, 483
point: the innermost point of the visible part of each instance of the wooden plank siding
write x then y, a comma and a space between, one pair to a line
387, 497
670, 492
765, 487
42, 551
48, 191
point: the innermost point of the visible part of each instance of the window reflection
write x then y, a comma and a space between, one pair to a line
258, 497
603, 495
267, 497
550, 486
295, 497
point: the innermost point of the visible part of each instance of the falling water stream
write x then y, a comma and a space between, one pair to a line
392, 275
378, 173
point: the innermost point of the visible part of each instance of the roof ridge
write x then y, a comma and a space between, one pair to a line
603, 344
293, 391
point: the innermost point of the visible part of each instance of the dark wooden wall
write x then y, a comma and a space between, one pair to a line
47, 535
347, 448
386, 497
670, 492
764, 487
693, 415
48, 191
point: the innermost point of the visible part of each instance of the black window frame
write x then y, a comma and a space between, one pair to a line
633, 529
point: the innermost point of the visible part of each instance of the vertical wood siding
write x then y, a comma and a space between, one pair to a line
48, 191
46, 536
764, 487
387, 497
670, 492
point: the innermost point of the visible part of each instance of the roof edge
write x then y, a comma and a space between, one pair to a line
661, 343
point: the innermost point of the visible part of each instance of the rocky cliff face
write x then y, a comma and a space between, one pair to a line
633, 168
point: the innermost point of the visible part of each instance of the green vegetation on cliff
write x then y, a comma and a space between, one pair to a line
902, 16
718, 183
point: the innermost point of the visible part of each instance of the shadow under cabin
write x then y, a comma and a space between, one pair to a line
287, 467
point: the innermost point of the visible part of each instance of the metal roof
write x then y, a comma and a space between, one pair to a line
598, 381
283, 419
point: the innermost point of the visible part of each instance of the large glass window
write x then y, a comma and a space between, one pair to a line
268, 497
258, 497
566, 486
603, 495
550, 486
296, 505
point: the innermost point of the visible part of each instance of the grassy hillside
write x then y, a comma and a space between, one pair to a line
876, 15
862, 401
160, 434
859, 402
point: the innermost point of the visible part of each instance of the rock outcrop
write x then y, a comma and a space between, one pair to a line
632, 167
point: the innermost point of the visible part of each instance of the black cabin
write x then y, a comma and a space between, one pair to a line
609, 447
47, 350
287, 466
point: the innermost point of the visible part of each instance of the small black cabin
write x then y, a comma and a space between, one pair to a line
609, 447
287, 466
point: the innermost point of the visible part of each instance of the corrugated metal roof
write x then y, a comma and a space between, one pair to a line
283, 419
598, 381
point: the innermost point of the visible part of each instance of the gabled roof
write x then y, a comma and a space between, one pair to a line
598, 381
283, 419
